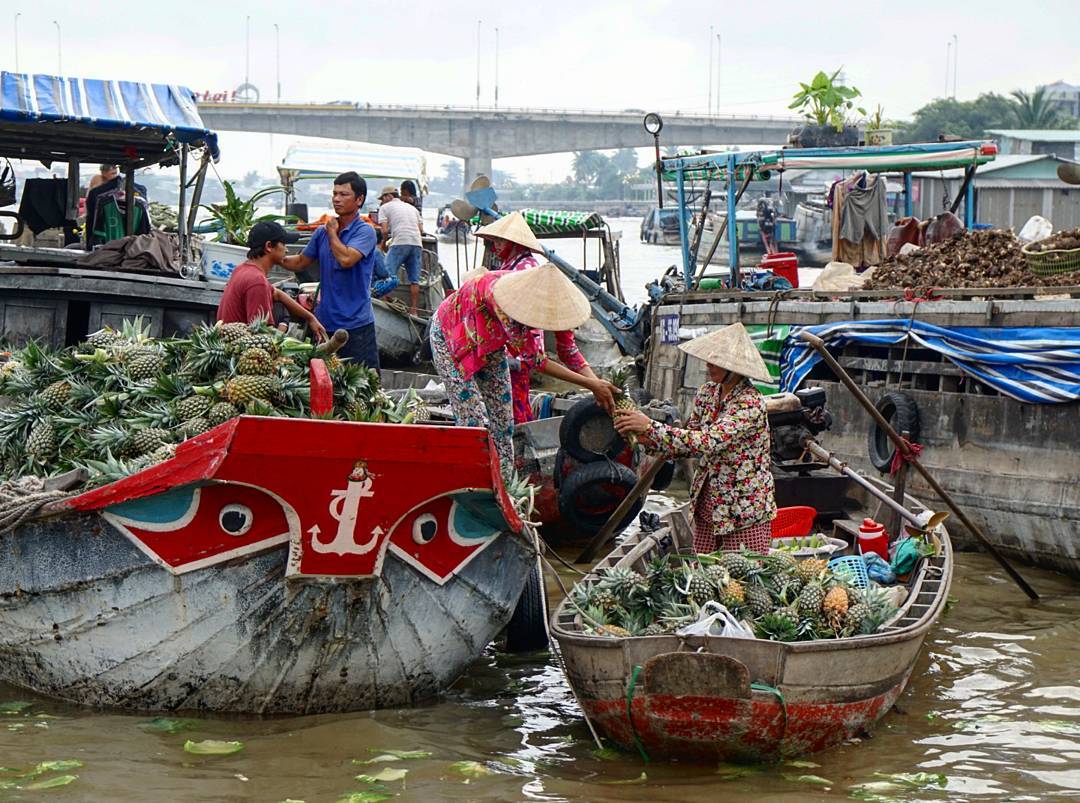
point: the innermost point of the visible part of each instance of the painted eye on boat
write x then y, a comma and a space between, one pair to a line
424, 529
236, 519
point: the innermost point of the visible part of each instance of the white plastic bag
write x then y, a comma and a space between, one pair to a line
716, 620
1037, 228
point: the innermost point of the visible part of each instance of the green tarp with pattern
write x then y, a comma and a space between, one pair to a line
769, 342
548, 221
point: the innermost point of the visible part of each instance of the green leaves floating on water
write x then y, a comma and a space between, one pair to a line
364, 797
915, 780
732, 772
57, 766
387, 775
166, 725
14, 707
897, 783
471, 769
52, 783
606, 754
212, 747
1060, 726
640, 779
393, 755
808, 765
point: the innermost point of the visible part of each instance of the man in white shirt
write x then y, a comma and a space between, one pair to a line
401, 224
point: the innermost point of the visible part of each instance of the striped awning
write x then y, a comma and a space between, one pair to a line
54, 118
1040, 365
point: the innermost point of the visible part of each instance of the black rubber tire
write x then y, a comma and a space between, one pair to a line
590, 494
525, 632
902, 413
564, 464
664, 477
587, 413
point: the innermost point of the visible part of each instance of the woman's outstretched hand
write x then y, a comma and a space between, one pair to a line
604, 392
632, 421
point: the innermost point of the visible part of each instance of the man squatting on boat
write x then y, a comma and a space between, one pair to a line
732, 500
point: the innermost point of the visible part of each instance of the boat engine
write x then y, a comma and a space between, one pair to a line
792, 418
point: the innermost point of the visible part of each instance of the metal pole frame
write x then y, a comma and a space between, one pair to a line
129, 193
909, 207
684, 234
969, 202
733, 239
659, 173
181, 223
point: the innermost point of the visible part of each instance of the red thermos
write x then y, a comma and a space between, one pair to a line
873, 538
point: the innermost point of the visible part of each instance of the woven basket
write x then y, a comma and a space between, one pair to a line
1049, 263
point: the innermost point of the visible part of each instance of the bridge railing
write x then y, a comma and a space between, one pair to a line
682, 116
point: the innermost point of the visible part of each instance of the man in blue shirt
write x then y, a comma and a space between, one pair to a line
344, 249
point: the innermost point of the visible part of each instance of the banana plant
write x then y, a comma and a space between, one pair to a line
825, 102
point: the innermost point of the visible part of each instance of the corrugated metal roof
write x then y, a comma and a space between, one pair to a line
1038, 134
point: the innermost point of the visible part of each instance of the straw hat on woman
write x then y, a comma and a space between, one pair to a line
514, 245
490, 318
731, 498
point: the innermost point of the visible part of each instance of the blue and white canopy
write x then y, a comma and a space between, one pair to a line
1033, 364
53, 118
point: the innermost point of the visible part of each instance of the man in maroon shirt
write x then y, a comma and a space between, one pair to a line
249, 294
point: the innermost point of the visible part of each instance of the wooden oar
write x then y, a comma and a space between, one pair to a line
643, 484
902, 445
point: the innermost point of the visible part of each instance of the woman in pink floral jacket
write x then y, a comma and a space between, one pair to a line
731, 498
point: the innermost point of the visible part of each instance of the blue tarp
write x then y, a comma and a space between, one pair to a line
1031, 364
107, 105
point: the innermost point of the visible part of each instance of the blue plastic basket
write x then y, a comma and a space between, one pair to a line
854, 566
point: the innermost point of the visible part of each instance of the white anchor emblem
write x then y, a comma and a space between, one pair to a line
344, 504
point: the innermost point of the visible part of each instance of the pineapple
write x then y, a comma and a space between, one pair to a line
718, 574
102, 339
733, 595
758, 600
811, 599
618, 378
113, 439
56, 395
605, 600
41, 445
149, 439
232, 334
146, 366
222, 412
699, 587
196, 426
856, 615
193, 407
241, 389
266, 342
777, 626
626, 585
255, 362
738, 565
835, 606
810, 568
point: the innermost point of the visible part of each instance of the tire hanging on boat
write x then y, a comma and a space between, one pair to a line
902, 413
525, 632
588, 434
590, 494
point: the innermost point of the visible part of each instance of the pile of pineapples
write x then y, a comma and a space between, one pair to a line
781, 598
122, 400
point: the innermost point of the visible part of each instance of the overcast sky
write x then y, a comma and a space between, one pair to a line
583, 54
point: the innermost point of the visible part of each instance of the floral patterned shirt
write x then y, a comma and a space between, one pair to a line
565, 346
731, 439
474, 327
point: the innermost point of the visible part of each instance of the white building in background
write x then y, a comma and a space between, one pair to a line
1065, 96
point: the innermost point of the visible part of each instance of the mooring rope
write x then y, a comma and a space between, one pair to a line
22, 499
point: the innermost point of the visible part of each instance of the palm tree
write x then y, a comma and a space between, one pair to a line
588, 165
1035, 110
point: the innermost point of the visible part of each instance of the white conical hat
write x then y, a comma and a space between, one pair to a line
731, 348
542, 298
512, 227
475, 273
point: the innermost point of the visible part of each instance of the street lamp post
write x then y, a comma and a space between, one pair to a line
59, 50
496, 68
478, 63
277, 58
710, 69
17, 41
653, 125
955, 61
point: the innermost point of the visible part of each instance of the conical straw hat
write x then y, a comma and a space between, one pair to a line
475, 273
731, 348
542, 298
512, 227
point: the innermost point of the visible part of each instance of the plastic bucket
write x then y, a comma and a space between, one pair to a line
219, 260
785, 264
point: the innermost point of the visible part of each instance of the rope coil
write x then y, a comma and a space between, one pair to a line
21, 500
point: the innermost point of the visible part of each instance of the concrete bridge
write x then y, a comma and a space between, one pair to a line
479, 135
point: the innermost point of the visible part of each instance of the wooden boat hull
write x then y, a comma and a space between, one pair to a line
707, 699
398, 334
145, 594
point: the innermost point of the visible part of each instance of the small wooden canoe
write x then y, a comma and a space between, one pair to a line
705, 698
274, 565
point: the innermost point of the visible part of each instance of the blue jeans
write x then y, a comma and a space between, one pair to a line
362, 347
407, 255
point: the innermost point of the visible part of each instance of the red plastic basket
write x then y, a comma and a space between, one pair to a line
792, 522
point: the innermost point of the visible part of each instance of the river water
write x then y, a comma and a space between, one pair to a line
992, 712
993, 707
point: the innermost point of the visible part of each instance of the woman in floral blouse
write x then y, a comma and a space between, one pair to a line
494, 313
732, 503
514, 245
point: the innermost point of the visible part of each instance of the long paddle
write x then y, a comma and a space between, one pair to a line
904, 448
643, 484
